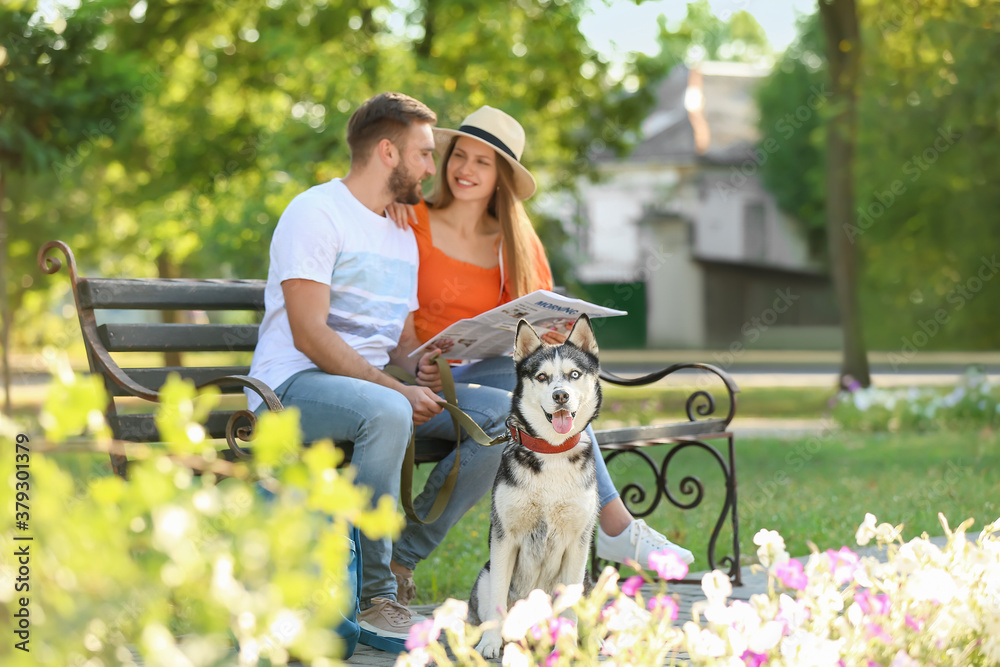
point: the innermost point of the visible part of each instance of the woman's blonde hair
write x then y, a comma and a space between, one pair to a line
518, 236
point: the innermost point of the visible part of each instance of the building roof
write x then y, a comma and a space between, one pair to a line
704, 113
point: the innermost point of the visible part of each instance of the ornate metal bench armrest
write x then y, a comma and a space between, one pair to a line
244, 432
88, 324
703, 409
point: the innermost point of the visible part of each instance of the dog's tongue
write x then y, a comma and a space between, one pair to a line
562, 421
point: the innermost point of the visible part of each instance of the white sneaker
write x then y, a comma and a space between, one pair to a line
637, 542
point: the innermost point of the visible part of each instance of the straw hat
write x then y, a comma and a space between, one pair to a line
499, 131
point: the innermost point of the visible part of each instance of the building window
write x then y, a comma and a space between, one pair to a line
754, 232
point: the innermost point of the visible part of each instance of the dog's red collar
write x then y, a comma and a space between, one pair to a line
539, 445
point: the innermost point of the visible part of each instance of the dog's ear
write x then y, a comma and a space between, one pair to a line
526, 341
582, 335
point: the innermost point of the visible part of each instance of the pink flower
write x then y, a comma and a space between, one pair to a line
632, 585
751, 659
552, 659
843, 564
875, 631
668, 564
877, 605
663, 603
422, 634
791, 574
560, 626
914, 624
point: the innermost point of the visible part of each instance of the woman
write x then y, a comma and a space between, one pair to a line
478, 250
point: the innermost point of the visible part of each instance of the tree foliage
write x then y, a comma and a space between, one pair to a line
928, 141
238, 105
792, 103
702, 35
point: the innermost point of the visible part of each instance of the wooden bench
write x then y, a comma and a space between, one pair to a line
236, 424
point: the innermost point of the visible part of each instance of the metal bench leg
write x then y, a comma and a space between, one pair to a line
690, 486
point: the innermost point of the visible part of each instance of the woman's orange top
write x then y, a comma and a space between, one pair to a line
449, 289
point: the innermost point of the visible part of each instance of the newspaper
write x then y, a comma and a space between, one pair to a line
491, 334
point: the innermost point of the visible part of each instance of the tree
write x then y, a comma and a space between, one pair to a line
57, 87
701, 35
793, 106
843, 46
247, 103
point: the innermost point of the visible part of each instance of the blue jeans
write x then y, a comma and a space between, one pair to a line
378, 421
499, 372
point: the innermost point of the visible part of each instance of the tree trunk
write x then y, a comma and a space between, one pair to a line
423, 48
5, 307
843, 45
167, 269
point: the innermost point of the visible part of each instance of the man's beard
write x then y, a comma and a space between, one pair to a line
404, 188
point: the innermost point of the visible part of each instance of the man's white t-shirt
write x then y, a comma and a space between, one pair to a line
326, 235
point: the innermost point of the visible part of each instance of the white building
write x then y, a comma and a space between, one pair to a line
686, 216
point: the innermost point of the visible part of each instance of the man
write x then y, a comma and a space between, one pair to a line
341, 289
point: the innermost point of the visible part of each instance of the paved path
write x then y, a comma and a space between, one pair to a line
688, 594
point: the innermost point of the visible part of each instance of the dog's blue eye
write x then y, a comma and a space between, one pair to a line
541, 377
574, 374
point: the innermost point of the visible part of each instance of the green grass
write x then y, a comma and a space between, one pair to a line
809, 490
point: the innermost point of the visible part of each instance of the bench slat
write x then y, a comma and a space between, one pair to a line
142, 428
178, 337
154, 378
628, 434
167, 294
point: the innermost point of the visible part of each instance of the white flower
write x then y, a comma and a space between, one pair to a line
805, 649
886, 532
766, 637
566, 597
451, 615
607, 583
866, 531
861, 574
515, 656
932, 584
525, 614
715, 611
702, 644
717, 586
625, 614
418, 657
771, 547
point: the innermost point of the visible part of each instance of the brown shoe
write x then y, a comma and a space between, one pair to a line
406, 590
386, 618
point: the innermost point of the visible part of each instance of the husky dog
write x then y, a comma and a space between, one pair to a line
545, 501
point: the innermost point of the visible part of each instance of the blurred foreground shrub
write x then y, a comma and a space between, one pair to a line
242, 563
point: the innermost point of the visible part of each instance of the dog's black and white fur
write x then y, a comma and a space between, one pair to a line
544, 506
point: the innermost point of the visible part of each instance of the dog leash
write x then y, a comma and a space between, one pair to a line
460, 420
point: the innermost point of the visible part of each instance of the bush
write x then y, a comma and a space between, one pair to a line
971, 404
173, 567
926, 606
